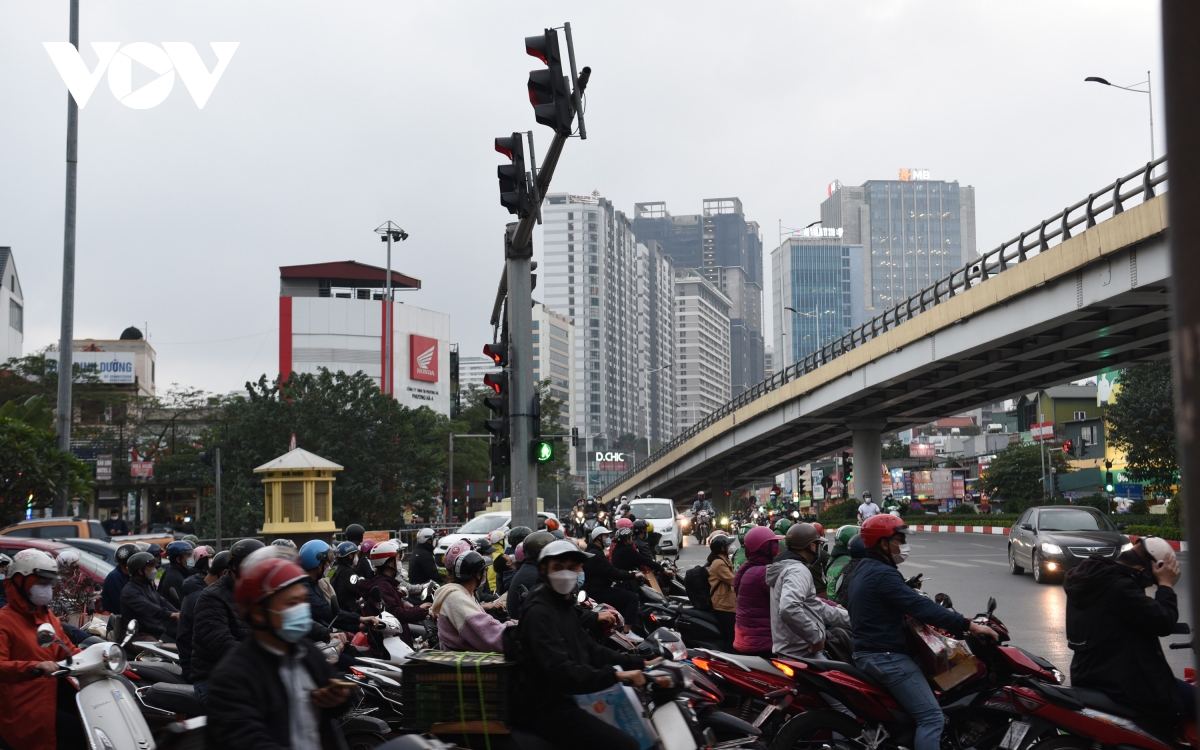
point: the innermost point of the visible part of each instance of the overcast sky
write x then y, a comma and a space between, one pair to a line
333, 117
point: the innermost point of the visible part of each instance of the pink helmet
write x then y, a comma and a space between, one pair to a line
366, 546
461, 547
520, 553
624, 523
758, 537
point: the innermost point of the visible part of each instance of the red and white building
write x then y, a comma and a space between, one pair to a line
332, 315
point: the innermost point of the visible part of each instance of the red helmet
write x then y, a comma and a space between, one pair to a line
264, 573
879, 527
820, 529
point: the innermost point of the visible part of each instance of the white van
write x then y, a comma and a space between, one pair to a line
660, 511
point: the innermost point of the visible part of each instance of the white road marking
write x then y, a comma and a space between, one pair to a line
991, 562
956, 564
919, 565
985, 546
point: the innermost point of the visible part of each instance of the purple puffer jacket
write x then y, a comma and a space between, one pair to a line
752, 630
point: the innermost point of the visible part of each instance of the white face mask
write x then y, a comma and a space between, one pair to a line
41, 594
902, 555
563, 581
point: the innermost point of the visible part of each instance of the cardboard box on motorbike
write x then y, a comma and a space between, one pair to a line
945, 660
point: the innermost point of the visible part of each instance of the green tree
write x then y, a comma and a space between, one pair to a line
1015, 475
894, 449
1141, 422
393, 456
32, 468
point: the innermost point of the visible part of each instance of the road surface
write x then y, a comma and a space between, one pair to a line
972, 567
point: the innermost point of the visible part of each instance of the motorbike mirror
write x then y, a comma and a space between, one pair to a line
131, 627
376, 595
991, 605
45, 635
581, 597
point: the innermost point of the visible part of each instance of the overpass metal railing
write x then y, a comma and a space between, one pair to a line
1106, 202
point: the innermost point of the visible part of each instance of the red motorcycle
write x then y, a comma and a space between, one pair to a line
844, 706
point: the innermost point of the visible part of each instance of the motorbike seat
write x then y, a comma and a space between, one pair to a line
179, 699
826, 665
1077, 698
699, 615
157, 671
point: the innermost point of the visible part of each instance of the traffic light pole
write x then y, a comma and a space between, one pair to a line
523, 472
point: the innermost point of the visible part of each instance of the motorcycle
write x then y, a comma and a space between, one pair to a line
703, 524
859, 709
699, 629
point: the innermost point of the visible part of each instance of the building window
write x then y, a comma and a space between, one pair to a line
16, 315
1080, 415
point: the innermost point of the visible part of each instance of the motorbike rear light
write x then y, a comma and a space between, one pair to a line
653, 617
787, 670
700, 664
132, 675
356, 673
1027, 701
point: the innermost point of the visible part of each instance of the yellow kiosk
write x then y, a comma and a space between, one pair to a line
298, 495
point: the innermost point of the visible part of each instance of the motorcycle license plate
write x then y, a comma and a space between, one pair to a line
1015, 734
672, 727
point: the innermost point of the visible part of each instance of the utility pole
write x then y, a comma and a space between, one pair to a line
522, 392
390, 232
217, 497
67, 332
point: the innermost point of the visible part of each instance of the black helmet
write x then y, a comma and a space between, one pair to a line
240, 550
354, 532
639, 526
517, 534
468, 566
125, 551
856, 547
140, 560
219, 564
535, 543
719, 543
623, 534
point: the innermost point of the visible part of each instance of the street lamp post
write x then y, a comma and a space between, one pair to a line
816, 313
391, 232
1146, 91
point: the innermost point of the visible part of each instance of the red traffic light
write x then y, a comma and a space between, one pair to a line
1067, 446
496, 381
498, 353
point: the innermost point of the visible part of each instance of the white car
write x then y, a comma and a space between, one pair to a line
478, 527
660, 512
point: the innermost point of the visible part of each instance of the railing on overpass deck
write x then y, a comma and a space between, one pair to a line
1026, 245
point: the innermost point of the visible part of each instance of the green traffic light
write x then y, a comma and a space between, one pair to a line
543, 451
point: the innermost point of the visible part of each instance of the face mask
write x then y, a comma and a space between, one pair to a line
563, 581
41, 594
902, 555
607, 543
191, 562
579, 582
2, 576
295, 622
354, 561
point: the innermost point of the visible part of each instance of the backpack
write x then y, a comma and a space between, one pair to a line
698, 590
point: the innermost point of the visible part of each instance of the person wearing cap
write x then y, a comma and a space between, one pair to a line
800, 618
559, 660
601, 575
1113, 628
422, 567
274, 689
879, 603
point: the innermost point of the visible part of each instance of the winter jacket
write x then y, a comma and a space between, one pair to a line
837, 563
627, 557
799, 618
172, 580
325, 617
462, 623
599, 573
519, 587
348, 587
720, 585
491, 571
187, 620
646, 554
27, 721
1113, 628
752, 628
558, 659
216, 628
422, 567
110, 595
394, 601
248, 705
140, 601
880, 600
193, 583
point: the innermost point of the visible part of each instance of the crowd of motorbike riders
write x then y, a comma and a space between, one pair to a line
246, 620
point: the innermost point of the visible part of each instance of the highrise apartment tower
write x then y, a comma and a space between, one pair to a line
726, 250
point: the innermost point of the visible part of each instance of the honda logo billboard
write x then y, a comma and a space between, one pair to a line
422, 358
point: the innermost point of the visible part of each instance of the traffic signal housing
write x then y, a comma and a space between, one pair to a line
541, 450
515, 194
549, 92
1108, 482
498, 403
498, 353
1069, 448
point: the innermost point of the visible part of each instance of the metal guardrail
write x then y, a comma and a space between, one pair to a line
1019, 249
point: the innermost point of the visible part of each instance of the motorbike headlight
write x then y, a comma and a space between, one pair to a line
1126, 546
1051, 549
795, 514
725, 521
1057, 675
114, 658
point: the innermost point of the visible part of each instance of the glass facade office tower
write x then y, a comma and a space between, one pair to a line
726, 250
702, 330
819, 275
912, 232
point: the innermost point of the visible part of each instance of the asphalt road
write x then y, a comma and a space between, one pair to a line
972, 567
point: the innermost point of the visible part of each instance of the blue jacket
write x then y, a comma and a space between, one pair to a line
879, 600
110, 595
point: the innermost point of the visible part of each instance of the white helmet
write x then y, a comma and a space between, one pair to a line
1158, 548
599, 531
385, 551
67, 557
424, 535
33, 562
496, 537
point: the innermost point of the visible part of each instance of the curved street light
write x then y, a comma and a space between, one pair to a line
1146, 91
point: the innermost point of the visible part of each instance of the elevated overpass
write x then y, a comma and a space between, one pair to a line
1082, 292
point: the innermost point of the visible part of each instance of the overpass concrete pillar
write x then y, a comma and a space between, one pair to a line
868, 455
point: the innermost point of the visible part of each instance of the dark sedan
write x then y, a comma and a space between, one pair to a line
1054, 539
